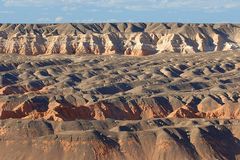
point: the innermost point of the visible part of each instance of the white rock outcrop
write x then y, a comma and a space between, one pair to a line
136, 39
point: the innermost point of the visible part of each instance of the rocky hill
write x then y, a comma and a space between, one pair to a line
70, 87
118, 38
58, 105
190, 139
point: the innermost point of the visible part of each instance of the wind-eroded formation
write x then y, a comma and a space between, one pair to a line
98, 87
117, 38
58, 105
155, 139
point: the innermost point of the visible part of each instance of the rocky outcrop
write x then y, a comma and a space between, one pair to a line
159, 107
59, 105
150, 139
66, 88
120, 38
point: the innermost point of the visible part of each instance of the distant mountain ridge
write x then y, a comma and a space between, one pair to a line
118, 38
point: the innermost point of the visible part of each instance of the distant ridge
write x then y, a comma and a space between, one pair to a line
118, 38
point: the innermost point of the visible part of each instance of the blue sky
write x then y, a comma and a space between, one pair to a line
89, 11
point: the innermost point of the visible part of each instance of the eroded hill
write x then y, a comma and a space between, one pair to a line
151, 139
117, 38
71, 87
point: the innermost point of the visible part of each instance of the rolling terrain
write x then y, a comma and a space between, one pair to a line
73, 87
121, 91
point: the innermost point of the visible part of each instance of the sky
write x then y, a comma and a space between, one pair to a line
90, 11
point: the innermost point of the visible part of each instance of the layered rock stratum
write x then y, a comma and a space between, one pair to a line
155, 139
70, 87
67, 91
118, 38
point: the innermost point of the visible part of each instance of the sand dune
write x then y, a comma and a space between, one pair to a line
117, 38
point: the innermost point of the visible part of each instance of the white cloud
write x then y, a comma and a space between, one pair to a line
6, 12
44, 20
24, 2
130, 4
58, 19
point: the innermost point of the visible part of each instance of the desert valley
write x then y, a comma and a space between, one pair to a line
120, 91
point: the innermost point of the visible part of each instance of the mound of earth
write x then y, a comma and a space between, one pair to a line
70, 87
151, 139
